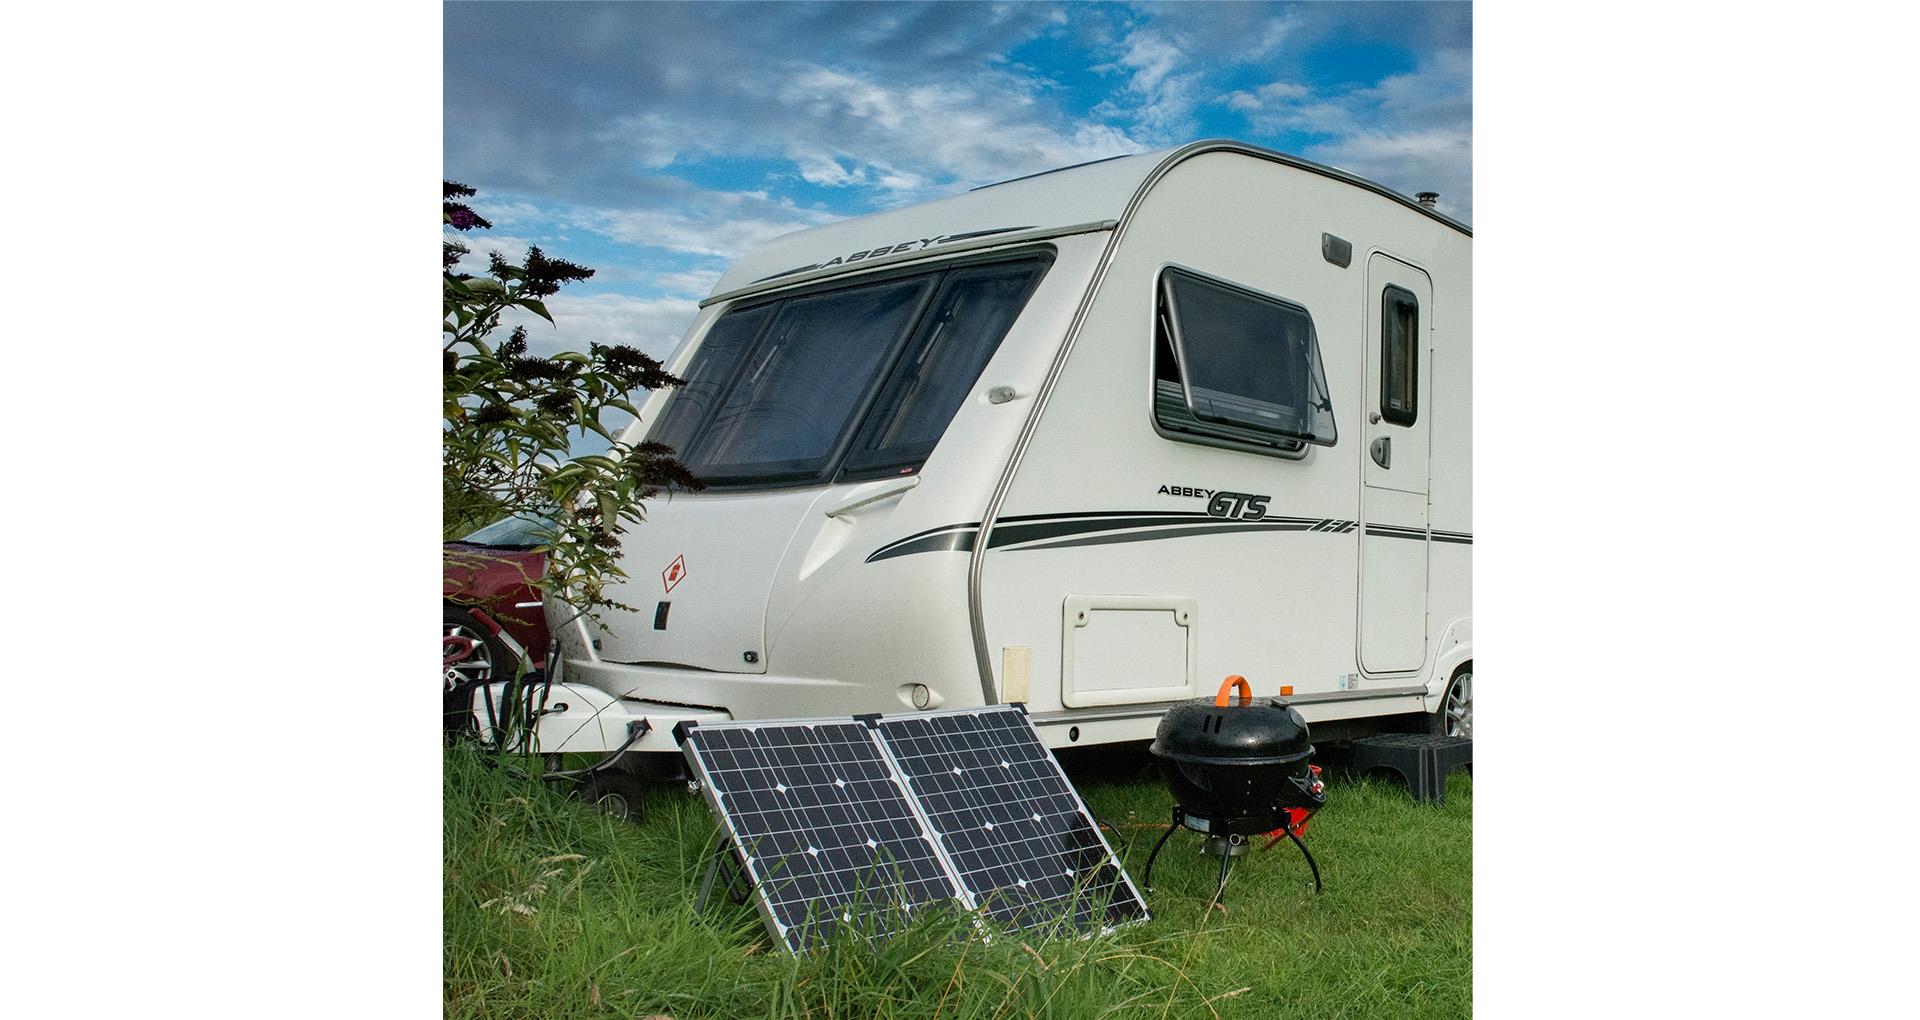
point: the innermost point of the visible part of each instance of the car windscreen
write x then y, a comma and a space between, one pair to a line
856, 380
511, 533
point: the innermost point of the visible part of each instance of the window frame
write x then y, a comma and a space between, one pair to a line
1201, 431
1391, 295
833, 469
884, 397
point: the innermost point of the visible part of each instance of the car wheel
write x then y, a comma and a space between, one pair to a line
614, 793
490, 659
1455, 718
489, 662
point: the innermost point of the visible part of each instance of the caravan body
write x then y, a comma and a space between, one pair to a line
1088, 441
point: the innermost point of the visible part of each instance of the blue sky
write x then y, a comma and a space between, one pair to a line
657, 142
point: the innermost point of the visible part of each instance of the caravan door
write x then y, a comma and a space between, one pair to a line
1393, 451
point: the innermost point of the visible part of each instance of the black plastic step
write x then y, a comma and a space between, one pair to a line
1423, 761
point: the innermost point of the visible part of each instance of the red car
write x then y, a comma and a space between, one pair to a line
490, 598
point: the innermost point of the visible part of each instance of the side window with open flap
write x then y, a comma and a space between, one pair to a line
1235, 367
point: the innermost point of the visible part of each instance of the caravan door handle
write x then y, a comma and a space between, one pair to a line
1382, 450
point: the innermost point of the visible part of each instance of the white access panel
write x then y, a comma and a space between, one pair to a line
1127, 649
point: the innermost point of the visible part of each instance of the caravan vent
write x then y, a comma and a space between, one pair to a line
1427, 199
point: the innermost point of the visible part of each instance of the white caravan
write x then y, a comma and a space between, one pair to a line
1088, 440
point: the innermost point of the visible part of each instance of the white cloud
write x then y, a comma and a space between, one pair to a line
654, 325
827, 171
920, 140
646, 139
1158, 98
1152, 59
690, 282
1276, 32
475, 262
1412, 132
721, 224
1273, 94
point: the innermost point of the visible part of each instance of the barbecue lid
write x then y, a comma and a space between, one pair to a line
1215, 731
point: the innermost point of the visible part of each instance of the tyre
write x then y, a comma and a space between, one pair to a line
489, 662
614, 793
1455, 718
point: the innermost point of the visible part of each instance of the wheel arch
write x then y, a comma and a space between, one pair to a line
1454, 657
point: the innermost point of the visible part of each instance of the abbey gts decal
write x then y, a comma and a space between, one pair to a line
1244, 506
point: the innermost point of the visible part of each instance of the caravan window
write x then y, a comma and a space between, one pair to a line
1399, 356
1238, 367
962, 329
782, 390
795, 393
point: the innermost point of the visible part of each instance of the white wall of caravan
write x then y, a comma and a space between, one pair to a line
839, 634
1279, 607
842, 635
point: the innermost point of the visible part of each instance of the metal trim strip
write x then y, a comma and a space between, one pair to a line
759, 287
1071, 715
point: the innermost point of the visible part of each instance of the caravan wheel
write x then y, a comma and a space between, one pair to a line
1455, 718
616, 794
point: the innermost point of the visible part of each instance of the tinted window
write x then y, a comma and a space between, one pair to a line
512, 533
1399, 356
1245, 366
963, 327
780, 390
708, 376
794, 394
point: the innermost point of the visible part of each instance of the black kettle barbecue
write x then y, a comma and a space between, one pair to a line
1237, 770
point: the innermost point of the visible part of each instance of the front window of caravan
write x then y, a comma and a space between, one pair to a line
1237, 367
842, 381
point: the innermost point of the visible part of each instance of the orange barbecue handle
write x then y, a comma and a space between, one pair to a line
1246, 691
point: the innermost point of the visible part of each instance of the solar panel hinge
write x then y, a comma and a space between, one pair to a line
681, 729
871, 720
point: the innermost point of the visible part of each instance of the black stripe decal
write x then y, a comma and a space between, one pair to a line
784, 272
1016, 534
1154, 534
1107, 527
950, 238
946, 541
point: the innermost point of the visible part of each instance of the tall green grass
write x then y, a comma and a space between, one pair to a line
554, 911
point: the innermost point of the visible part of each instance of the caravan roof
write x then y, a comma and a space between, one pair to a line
1091, 196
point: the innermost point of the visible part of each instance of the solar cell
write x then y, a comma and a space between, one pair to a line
819, 823
1021, 842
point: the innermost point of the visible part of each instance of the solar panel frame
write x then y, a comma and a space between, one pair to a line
930, 803
1044, 783
780, 890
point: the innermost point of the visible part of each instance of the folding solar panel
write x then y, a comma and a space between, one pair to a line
884, 816
819, 824
1020, 841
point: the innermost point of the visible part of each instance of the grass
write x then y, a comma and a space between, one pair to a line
554, 911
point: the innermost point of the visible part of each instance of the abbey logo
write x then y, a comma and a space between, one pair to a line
1244, 506
918, 244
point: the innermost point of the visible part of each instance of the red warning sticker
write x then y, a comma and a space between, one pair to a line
674, 572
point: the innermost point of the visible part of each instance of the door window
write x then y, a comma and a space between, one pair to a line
1399, 356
